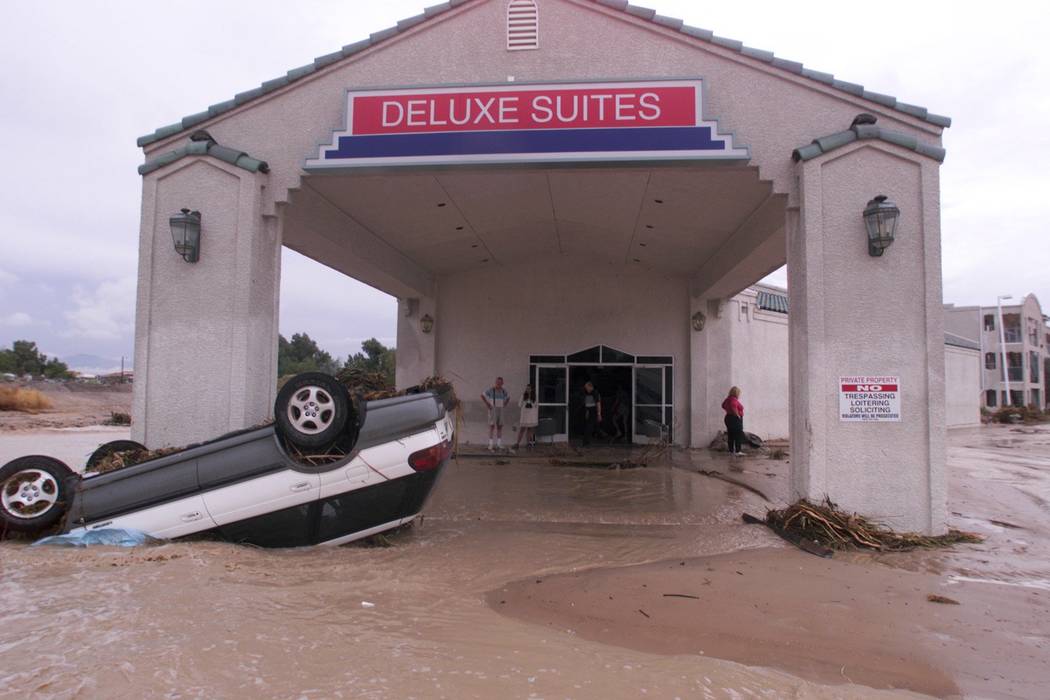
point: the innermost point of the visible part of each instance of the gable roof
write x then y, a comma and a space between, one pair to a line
621, 5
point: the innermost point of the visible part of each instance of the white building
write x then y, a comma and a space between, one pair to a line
1018, 342
540, 180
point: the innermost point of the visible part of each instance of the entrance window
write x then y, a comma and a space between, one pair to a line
989, 398
636, 393
989, 360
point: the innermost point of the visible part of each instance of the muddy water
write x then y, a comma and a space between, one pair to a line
206, 619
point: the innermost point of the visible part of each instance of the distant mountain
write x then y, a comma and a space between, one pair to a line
93, 364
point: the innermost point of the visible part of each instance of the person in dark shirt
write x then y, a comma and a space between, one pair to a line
592, 411
734, 421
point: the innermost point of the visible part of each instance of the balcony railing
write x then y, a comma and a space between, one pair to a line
1012, 335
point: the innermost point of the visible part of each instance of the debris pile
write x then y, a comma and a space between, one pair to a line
826, 524
128, 458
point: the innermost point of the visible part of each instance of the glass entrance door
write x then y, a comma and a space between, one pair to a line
552, 392
652, 404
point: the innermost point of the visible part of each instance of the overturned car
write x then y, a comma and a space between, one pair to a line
331, 469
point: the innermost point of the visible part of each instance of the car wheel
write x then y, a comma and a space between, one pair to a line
33, 493
106, 449
312, 409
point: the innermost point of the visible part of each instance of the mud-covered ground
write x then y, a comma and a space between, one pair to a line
453, 609
73, 405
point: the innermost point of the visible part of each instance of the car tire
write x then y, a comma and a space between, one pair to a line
106, 449
312, 410
34, 493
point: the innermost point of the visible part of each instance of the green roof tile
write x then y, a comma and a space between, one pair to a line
824, 144
206, 148
619, 5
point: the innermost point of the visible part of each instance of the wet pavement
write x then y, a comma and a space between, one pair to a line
212, 620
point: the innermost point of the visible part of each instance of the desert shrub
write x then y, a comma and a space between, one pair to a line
22, 399
118, 418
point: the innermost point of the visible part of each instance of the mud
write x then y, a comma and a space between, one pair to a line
73, 405
207, 619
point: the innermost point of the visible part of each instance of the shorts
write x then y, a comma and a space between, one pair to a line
496, 416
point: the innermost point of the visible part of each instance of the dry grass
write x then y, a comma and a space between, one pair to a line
22, 399
834, 528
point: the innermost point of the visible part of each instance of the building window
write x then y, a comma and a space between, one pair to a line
1012, 328
1015, 366
523, 25
989, 322
989, 360
1033, 366
989, 398
1037, 399
1017, 397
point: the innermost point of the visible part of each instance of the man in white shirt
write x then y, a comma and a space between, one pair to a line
495, 398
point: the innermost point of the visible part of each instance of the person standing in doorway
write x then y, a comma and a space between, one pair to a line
530, 417
592, 412
734, 421
495, 398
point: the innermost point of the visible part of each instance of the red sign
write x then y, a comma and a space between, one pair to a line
874, 387
524, 108
513, 123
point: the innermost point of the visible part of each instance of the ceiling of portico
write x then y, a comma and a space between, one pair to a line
669, 219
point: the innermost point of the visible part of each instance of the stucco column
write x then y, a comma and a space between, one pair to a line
205, 332
711, 367
854, 314
416, 350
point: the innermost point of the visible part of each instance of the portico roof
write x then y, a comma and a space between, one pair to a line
647, 14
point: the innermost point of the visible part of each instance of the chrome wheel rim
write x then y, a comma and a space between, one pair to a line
29, 493
311, 410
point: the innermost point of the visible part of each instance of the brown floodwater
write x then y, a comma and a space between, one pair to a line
213, 620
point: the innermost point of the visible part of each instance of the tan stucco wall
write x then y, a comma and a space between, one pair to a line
769, 110
962, 386
872, 316
488, 323
205, 350
760, 366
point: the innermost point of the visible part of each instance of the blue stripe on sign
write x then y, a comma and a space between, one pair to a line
690, 138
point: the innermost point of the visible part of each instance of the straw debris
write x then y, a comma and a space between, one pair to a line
826, 524
128, 458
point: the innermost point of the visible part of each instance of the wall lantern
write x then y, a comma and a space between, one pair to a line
698, 321
880, 218
186, 234
426, 323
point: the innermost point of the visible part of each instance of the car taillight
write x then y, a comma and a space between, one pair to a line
430, 458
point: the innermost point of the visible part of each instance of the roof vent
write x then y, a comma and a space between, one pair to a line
523, 25
863, 118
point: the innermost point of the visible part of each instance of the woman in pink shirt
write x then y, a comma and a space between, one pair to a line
734, 421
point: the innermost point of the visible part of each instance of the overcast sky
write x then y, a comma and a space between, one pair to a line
81, 80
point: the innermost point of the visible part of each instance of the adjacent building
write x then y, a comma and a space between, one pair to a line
1015, 348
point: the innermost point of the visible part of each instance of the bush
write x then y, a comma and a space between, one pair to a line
118, 418
22, 399
1020, 414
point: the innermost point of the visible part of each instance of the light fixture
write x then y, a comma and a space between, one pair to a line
186, 234
698, 321
880, 218
426, 324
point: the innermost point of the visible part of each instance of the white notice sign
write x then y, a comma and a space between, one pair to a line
869, 399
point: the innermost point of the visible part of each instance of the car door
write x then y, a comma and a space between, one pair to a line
262, 495
184, 516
